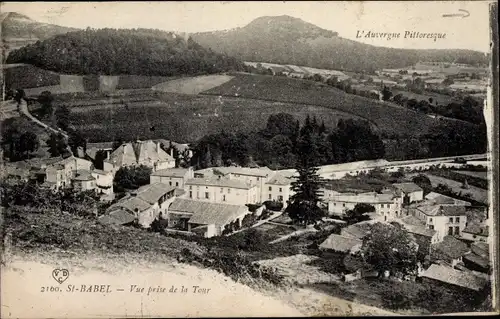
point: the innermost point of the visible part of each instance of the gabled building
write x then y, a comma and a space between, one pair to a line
146, 204
278, 188
446, 220
453, 278
411, 192
60, 173
147, 153
204, 218
218, 189
173, 176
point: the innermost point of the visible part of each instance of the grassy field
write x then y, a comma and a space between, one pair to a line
477, 194
193, 85
387, 118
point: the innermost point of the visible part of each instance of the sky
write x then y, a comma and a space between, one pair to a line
346, 18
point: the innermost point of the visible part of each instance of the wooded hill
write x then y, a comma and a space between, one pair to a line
115, 52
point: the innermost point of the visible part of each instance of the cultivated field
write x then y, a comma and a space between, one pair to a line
482, 175
478, 194
192, 85
387, 118
186, 118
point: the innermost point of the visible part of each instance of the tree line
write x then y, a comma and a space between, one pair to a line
277, 147
115, 52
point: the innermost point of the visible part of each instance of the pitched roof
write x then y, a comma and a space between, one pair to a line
477, 259
476, 229
207, 213
151, 193
259, 172
101, 145
368, 198
450, 248
357, 231
455, 277
171, 172
442, 210
408, 187
137, 152
412, 220
131, 203
481, 249
119, 217
279, 179
83, 175
220, 182
436, 198
340, 243
99, 171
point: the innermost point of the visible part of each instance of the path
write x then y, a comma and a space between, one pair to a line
23, 110
295, 233
260, 222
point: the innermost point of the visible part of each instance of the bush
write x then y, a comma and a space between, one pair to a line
274, 205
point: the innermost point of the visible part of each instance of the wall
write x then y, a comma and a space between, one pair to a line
172, 181
339, 205
441, 224
216, 194
259, 182
416, 196
108, 83
104, 180
273, 194
475, 237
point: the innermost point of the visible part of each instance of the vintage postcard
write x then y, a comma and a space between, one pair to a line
248, 159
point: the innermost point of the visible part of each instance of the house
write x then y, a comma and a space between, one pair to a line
92, 149
451, 277
424, 236
219, 189
357, 231
278, 188
444, 219
172, 176
147, 203
103, 182
476, 232
60, 173
117, 217
411, 192
338, 245
253, 176
388, 205
207, 219
450, 251
83, 180
439, 199
478, 259
147, 153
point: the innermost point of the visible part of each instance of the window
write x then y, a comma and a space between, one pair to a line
281, 189
270, 197
451, 219
334, 204
381, 205
270, 188
457, 219
223, 198
176, 183
431, 226
190, 187
430, 220
280, 198
457, 230
343, 205
170, 183
258, 179
450, 231
207, 195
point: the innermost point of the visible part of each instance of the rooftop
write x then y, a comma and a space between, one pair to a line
369, 198
454, 277
208, 213
171, 172
137, 152
280, 179
340, 243
449, 249
476, 259
219, 182
151, 193
477, 229
83, 175
132, 204
420, 230
258, 172
436, 198
119, 217
408, 187
442, 210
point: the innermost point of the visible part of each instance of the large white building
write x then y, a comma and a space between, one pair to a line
219, 189
172, 176
388, 205
446, 220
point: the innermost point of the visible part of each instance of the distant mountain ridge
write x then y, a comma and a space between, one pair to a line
289, 40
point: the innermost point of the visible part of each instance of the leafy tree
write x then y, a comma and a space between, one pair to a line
62, 115
280, 124
357, 214
386, 94
57, 145
28, 143
46, 99
390, 248
76, 139
131, 177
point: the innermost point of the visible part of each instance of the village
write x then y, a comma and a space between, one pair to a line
452, 234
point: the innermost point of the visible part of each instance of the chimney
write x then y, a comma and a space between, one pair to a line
172, 152
158, 147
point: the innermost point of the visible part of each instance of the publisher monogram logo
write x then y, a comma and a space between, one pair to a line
60, 275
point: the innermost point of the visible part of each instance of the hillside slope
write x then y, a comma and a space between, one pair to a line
289, 40
19, 30
115, 52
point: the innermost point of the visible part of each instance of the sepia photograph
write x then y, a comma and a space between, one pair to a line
248, 159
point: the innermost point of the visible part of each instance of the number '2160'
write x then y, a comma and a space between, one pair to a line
50, 289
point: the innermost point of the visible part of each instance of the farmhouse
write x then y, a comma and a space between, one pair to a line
479, 258
207, 219
146, 204
387, 205
444, 219
455, 278
218, 189
137, 153
103, 182
278, 188
411, 191
449, 251
439, 199
59, 174
253, 176
476, 232
83, 180
173, 176
339, 245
